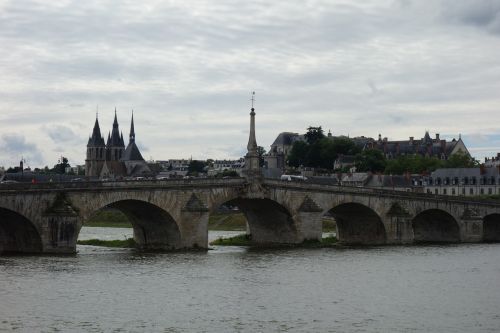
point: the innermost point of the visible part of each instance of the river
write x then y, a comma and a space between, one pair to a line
454, 288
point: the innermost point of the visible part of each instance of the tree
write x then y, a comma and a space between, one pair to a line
461, 160
61, 166
298, 154
261, 151
314, 134
412, 164
370, 160
196, 167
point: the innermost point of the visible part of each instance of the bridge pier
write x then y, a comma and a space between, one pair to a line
60, 225
398, 225
59, 233
309, 226
471, 223
194, 229
399, 229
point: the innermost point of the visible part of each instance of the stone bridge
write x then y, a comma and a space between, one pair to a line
173, 214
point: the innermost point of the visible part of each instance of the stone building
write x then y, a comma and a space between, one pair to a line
426, 146
113, 160
464, 181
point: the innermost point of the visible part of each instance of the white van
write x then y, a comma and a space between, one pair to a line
289, 178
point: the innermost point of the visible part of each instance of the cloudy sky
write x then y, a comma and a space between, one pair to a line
187, 67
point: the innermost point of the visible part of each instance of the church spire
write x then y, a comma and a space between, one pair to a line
115, 122
96, 139
132, 131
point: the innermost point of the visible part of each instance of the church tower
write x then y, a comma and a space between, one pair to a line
115, 145
96, 152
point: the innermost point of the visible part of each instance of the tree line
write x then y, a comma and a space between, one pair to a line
319, 151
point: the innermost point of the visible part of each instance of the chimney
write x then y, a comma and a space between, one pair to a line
437, 137
411, 140
379, 137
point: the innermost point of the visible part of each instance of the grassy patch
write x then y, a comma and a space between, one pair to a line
227, 222
127, 243
246, 240
329, 224
239, 240
112, 218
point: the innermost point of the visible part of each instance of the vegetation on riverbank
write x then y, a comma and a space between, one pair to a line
230, 221
227, 222
111, 218
246, 240
126, 243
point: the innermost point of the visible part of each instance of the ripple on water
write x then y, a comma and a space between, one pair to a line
228, 289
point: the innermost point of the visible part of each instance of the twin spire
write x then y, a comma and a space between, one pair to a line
115, 137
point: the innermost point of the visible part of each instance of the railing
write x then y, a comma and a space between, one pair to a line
121, 184
377, 192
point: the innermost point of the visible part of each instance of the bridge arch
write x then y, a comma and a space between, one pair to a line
435, 225
491, 228
268, 221
18, 234
358, 224
154, 228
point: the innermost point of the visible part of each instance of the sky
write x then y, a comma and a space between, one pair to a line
187, 69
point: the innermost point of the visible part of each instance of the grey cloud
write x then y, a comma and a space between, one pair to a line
61, 134
480, 13
15, 146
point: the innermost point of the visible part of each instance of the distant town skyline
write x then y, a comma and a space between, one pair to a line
187, 69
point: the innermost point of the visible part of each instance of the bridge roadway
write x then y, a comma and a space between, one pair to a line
173, 214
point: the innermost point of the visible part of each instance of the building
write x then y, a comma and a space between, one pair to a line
492, 162
281, 147
463, 181
426, 147
113, 160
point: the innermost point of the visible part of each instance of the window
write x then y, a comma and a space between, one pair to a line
463, 191
490, 191
453, 191
471, 191
466, 181
444, 191
430, 180
473, 181
436, 191
482, 190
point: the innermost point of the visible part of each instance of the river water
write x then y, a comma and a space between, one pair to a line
453, 288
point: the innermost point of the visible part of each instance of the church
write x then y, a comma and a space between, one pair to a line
111, 159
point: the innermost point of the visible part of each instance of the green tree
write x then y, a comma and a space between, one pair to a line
261, 151
314, 134
61, 166
461, 160
370, 160
412, 164
298, 154
196, 167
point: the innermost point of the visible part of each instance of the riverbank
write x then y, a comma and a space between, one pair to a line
246, 240
126, 243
